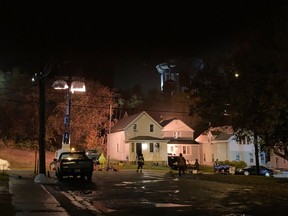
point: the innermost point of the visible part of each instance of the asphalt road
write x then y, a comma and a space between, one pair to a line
159, 192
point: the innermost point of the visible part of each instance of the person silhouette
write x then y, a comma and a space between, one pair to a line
140, 162
181, 162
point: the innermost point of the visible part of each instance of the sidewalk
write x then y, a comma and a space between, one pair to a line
30, 198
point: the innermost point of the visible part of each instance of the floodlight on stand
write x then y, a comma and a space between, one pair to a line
78, 86
60, 84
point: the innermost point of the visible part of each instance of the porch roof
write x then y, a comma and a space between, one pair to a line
145, 138
179, 141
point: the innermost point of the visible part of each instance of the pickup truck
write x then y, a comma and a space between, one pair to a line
74, 164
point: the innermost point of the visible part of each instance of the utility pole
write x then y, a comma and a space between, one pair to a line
42, 129
40, 178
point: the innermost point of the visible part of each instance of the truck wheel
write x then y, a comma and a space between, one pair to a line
246, 173
89, 177
59, 176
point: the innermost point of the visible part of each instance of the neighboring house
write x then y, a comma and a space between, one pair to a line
277, 162
135, 134
221, 143
180, 140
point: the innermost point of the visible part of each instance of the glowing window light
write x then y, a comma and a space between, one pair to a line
144, 146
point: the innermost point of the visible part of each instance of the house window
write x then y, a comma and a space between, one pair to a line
248, 139
151, 147
204, 157
176, 134
132, 147
184, 150
187, 150
151, 128
134, 127
251, 158
237, 158
262, 157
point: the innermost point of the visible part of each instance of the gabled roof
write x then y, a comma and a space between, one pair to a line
125, 122
166, 125
223, 136
163, 123
218, 133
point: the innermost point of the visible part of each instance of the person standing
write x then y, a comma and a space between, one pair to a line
102, 161
216, 164
196, 166
181, 162
140, 162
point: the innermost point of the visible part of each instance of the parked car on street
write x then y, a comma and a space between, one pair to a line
252, 170
222, 169
74, 164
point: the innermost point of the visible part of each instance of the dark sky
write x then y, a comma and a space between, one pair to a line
121, 38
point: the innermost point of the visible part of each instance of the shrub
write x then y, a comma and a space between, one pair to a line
236, 164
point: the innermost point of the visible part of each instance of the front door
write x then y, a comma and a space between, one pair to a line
138, 148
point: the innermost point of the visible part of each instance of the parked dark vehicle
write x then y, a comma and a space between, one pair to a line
172, 162
252, 170
74, 164
223, 169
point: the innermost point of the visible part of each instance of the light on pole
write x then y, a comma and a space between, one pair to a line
71, 87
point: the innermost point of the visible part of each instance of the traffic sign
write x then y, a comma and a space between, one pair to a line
66, 120
66, 138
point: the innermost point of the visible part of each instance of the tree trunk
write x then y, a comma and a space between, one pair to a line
256, 153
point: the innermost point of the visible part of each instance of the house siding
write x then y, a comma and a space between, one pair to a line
227, 149
143, 128
116, 148
192, 150
125, 140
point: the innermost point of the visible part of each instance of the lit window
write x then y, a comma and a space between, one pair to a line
134, 126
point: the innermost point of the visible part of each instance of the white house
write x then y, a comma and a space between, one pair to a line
221, 143
135, 134
180, 139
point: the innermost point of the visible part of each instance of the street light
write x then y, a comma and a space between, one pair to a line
71, 86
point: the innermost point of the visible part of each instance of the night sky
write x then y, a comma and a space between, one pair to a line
118, 43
